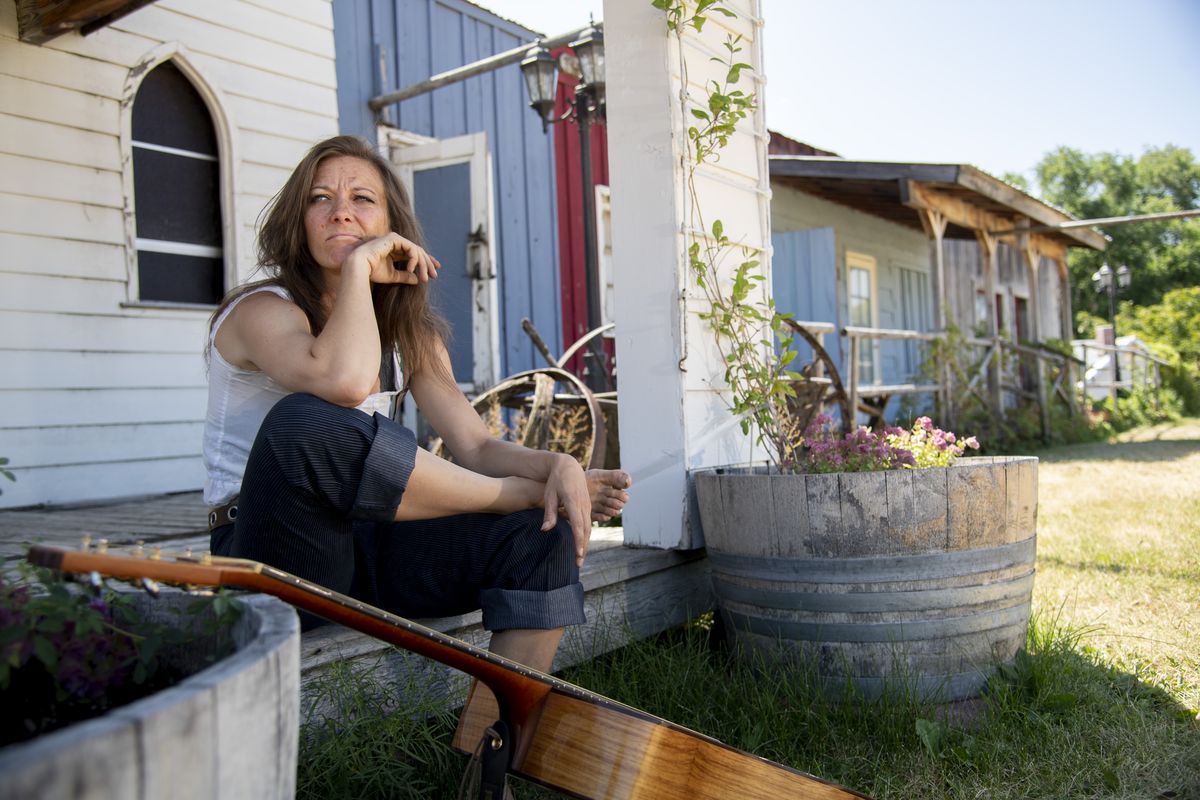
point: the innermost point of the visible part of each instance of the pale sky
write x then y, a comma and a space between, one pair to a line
992, 84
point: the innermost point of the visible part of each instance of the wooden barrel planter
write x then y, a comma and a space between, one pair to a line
903, 579
229, 730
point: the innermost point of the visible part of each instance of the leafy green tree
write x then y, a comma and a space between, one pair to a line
1162, 256
1173, 328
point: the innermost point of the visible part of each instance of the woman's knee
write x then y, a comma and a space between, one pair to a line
300, 424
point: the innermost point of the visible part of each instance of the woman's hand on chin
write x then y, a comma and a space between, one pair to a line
394, 259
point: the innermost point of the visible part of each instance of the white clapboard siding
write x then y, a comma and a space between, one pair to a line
104, 397
64, 447
680, 420
260, 182
118, 333
265, 117
41, 217
57, 181
48, 103
30, 407
58, 68
90, 482
314, 12
272, 86
274, 150
48, 255
244, 49
28, 291
51, 142
24, 369
269, 25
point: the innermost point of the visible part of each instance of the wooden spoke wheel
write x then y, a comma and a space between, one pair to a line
546, 409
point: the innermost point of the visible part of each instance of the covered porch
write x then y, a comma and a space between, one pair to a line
630, 593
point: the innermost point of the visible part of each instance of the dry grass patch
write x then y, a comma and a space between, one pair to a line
1119, 551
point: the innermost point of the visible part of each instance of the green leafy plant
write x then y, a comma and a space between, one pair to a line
67, 654
929, 445
751, 335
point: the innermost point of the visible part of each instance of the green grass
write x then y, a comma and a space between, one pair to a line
1102, 704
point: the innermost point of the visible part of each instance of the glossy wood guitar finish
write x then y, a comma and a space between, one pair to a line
567, 738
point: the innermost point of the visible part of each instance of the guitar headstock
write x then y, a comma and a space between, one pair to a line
182, 569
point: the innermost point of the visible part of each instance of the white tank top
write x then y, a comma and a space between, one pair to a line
238, 402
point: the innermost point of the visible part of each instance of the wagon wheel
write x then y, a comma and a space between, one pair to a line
831, 371
530, 408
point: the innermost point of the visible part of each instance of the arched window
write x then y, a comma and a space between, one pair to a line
176, 188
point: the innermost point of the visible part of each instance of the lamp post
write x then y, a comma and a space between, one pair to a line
587, 106
1106, 280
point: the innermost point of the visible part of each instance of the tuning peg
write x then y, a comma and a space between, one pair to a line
187, 554
102, 546
95, 582
156, 553
206, 558
85, 543
139, 548
151, 587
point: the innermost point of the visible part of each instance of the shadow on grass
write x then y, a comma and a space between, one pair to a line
1055, 722
1152, 451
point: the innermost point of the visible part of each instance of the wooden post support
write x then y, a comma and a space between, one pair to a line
673, 403
1033, 258
853, 391
934, 222
989, 244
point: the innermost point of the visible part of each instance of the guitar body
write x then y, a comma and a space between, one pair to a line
564, 737
587, 749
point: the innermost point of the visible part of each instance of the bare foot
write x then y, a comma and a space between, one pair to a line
607, 488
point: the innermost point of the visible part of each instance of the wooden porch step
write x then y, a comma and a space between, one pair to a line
630, 593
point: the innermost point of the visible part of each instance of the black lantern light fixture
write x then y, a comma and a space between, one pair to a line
541, 79
1112, 282
587, 107
589, 48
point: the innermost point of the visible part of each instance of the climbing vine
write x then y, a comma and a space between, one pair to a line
752, 337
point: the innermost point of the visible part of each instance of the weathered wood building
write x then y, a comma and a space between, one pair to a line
916, 247
136, 159
480, 167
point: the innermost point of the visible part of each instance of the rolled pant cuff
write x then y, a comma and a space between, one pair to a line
510, 609
389, 462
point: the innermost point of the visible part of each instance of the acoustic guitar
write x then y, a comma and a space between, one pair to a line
560, 736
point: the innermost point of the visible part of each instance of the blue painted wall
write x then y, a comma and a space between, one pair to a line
415, 39
804, 284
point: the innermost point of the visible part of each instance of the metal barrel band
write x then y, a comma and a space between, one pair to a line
935, 599
871, 569
992, 619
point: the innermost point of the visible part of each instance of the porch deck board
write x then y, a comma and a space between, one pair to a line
630, 593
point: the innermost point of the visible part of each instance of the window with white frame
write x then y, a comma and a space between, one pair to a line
176, 183
860, 295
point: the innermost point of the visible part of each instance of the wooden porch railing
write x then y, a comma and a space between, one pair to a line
1151, 376
1052, 373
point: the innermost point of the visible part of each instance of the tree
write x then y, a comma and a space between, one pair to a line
1161, 255
1174, 327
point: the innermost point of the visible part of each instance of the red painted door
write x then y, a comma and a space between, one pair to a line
569, 180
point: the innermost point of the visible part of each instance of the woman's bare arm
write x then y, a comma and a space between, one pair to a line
341, 365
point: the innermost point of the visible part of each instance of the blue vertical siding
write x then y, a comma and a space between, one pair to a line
804, 283
416, 39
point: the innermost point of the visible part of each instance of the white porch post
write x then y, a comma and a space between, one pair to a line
672, 415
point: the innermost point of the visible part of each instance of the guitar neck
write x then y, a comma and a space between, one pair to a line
569, 739
518, 687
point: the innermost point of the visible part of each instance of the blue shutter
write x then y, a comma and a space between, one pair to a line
804, 283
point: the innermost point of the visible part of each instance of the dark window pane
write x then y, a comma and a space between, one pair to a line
180, 279
169, 111
176, 197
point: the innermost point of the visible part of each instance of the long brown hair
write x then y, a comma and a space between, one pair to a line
407, 320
